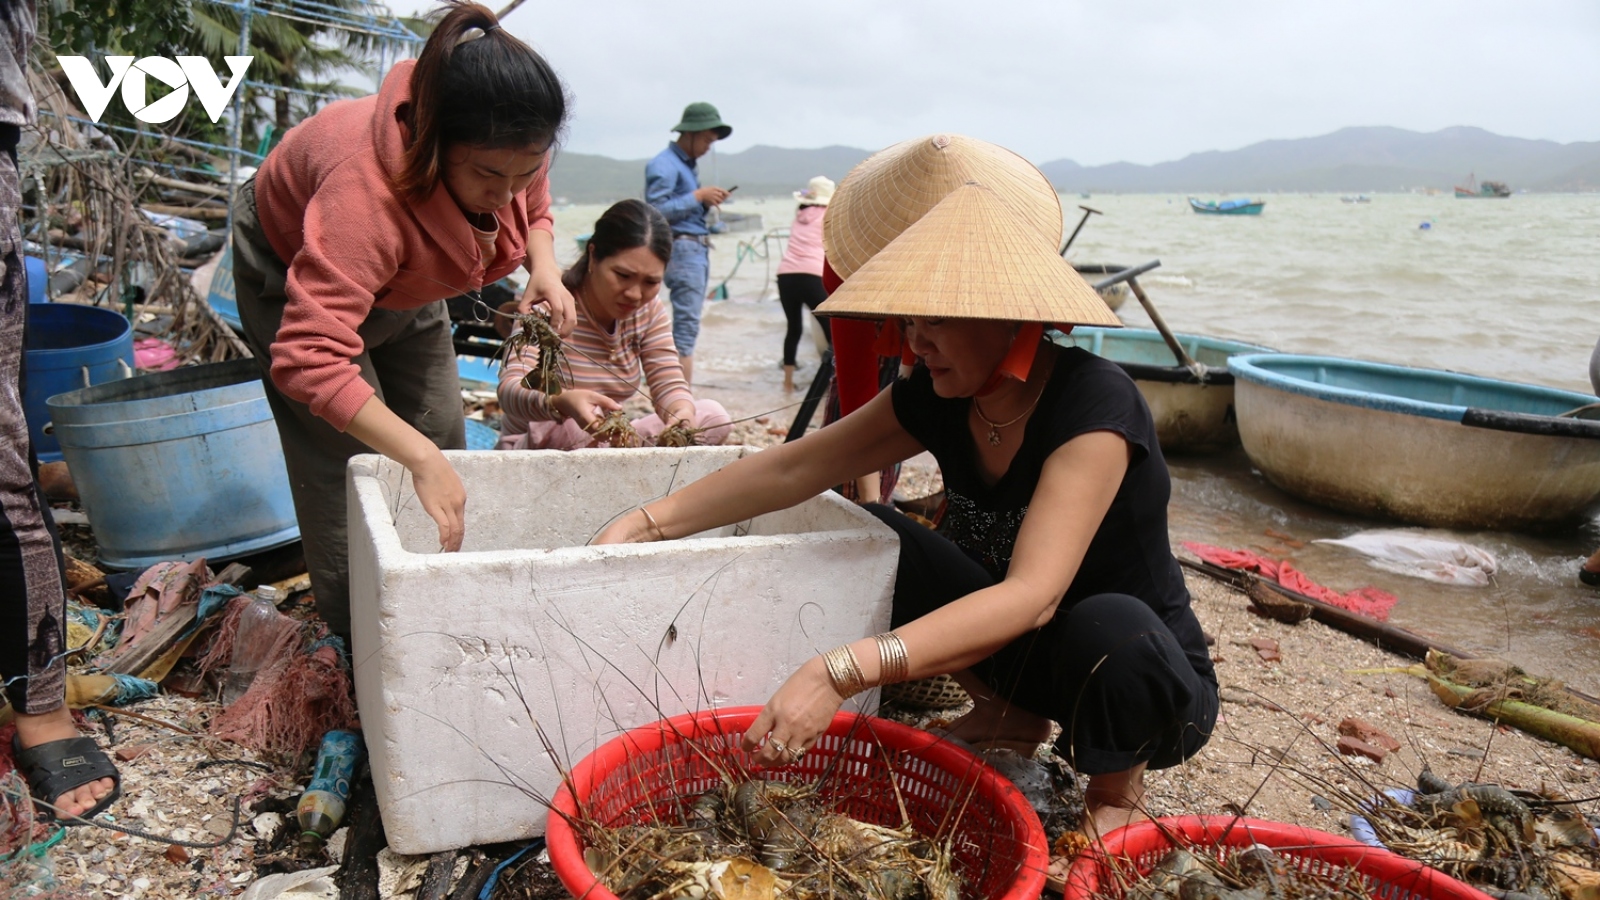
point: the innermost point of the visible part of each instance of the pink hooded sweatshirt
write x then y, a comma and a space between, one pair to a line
352, 243
803, 255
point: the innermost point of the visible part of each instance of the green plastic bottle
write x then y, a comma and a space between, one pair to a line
322, 806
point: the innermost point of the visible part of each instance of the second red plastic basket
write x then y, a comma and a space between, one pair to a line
1130, 853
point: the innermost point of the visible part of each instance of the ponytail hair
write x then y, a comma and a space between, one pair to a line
626, 225
476, 84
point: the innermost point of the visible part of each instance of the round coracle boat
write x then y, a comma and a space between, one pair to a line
1424, 446
1194, 412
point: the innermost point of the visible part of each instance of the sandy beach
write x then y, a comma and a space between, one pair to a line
1272, 755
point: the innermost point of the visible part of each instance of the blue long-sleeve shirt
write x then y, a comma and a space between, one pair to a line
669, 185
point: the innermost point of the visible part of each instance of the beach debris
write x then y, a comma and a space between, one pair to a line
1354, 746
1496, 690
109, 238
762, 840
55, 481
1363, 730
1366, 601
303, 885
1420, 555
1267, 649
1264, 601
300, 693
168, 608
131, 752
399, 875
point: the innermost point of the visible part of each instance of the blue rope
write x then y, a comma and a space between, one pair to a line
494, 877
130, 689
212, 600
177, 140
337, 643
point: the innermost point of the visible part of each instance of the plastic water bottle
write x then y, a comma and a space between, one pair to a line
250, 647
321, 808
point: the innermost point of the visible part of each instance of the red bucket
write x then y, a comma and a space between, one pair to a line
649, 774
1129, 854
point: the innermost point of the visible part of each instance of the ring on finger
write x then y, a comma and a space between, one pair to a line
781, 746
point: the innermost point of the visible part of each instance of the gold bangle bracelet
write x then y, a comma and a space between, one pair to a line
844, 672
660, 535
894, 662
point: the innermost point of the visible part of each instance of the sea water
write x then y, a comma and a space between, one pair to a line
1507, 288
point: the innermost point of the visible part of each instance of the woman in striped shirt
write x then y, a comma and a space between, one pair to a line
622, 330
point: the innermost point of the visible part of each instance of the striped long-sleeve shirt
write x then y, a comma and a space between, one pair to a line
608, 363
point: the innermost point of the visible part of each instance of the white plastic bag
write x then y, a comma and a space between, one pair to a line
309, 884
1420, 556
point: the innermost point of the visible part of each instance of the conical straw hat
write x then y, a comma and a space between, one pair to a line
970, 257
896, 187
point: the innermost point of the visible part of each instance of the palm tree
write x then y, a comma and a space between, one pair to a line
297, 47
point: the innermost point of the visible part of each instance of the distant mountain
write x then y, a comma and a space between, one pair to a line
1352, 159
759, 171
1348, 160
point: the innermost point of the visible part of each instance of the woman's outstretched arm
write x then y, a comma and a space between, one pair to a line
776, 478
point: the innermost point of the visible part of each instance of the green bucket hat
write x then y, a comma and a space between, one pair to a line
703, 117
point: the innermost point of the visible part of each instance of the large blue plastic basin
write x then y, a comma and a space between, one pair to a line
178, 465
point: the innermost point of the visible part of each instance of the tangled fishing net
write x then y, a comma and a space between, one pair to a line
300, 693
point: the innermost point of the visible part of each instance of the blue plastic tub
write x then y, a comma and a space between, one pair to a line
178, 465
69, 347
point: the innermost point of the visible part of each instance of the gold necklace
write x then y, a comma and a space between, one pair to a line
994, 427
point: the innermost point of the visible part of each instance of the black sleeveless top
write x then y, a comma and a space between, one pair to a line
1130, 553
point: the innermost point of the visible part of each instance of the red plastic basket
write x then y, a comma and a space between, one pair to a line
997, 845
1130, 853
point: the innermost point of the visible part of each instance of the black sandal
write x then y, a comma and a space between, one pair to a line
56, 767
1592, 579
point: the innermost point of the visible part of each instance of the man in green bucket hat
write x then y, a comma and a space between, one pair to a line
672, 186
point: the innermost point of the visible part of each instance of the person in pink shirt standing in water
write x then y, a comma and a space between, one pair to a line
800, 270
349, 239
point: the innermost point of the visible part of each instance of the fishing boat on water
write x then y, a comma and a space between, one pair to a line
1227, 207
1356, 198
1193, 411
1424, 446
1474, 189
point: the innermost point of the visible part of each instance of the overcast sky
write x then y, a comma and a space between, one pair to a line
1114, 80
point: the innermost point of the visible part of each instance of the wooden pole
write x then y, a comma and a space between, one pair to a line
188, 212
206, 189
1188, 362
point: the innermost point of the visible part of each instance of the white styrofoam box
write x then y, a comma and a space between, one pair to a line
459, 656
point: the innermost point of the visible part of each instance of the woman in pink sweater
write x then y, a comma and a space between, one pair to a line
350, 237
623, 329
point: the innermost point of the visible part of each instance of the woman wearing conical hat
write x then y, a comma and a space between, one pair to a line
1049, 590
